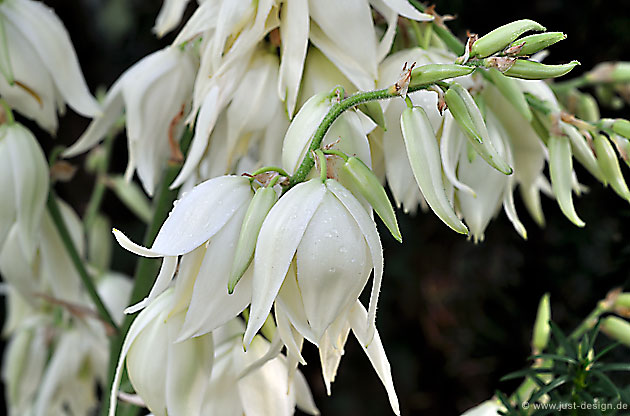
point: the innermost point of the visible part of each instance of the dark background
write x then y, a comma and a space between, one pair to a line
454, 317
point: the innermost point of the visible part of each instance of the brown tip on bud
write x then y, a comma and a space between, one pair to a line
514, 50
266, 177
333, 144
402, 85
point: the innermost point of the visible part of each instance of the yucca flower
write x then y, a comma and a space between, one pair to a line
40, 68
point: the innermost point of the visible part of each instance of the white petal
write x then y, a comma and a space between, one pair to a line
201, 213
30, 181
328, 288
289, 302
203, 19
170, 16
145, 318
208, 114
451, 143
211, 306
375, 352
320, 75
368, 228
279, 237
303, 395
167, 271
331, 350
403, 8
294, 33
188, 370
189, 267
301, 130
285, 331
49, 38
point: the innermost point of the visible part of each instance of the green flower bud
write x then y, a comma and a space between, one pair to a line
610, 72
132, 196
374, 111
501, 37
424, 157
582, 152
561, 169
525, 69
623, 147
621, 72
259, 207
360, 180
617, 329
623, 301
467, 115
511, 91
542, 328
534, 43
587, 108
609, 164
432, 73
622, 127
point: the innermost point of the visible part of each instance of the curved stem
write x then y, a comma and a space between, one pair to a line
337, 153
323, 171
270, 169
62, 229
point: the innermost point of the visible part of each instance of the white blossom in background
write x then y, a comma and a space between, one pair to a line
40, 68
155, 95
488, 408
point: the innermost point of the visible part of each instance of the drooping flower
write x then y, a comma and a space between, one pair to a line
155, 95
316, 221
39, 65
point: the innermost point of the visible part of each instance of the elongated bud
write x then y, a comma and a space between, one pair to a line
623, 147
511, 91
609, 164
587, 108
432, 73
535, 43
622, 127
424, 157
582, 152
525, 69
561, 169
360, 179
374, 111
622, 304
617, 329
259, 207
467, 115
501, 37
542, 328
610, 72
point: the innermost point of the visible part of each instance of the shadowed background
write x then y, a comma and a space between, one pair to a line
453, 316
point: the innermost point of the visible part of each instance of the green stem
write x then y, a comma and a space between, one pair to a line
62, 229
337, 153
323, 171
332, 115
271, 169
451, 41
7, 111
98, 192
146, 268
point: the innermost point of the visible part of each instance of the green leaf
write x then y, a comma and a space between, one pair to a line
549, 387
612, 367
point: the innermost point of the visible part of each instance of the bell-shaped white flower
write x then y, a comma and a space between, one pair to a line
203, 227
24, 181
170, 377
39, 64
251, 383
155, 94
312, 222
488, 408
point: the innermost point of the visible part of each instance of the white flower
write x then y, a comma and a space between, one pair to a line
39, 64
155, 94
253, 383
204, 227
312, 222
169, 376
24, 181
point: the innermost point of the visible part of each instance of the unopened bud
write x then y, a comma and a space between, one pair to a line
360, 179
501, 37
259, 207
587, 108
561, 169
623, 147
467, 115
542, 328
531, 44
424, 157
617, 329
502, 63
622, 127
609, 164
610, 72
525, 69
432, 73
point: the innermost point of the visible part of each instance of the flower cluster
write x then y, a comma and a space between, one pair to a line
305, 99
